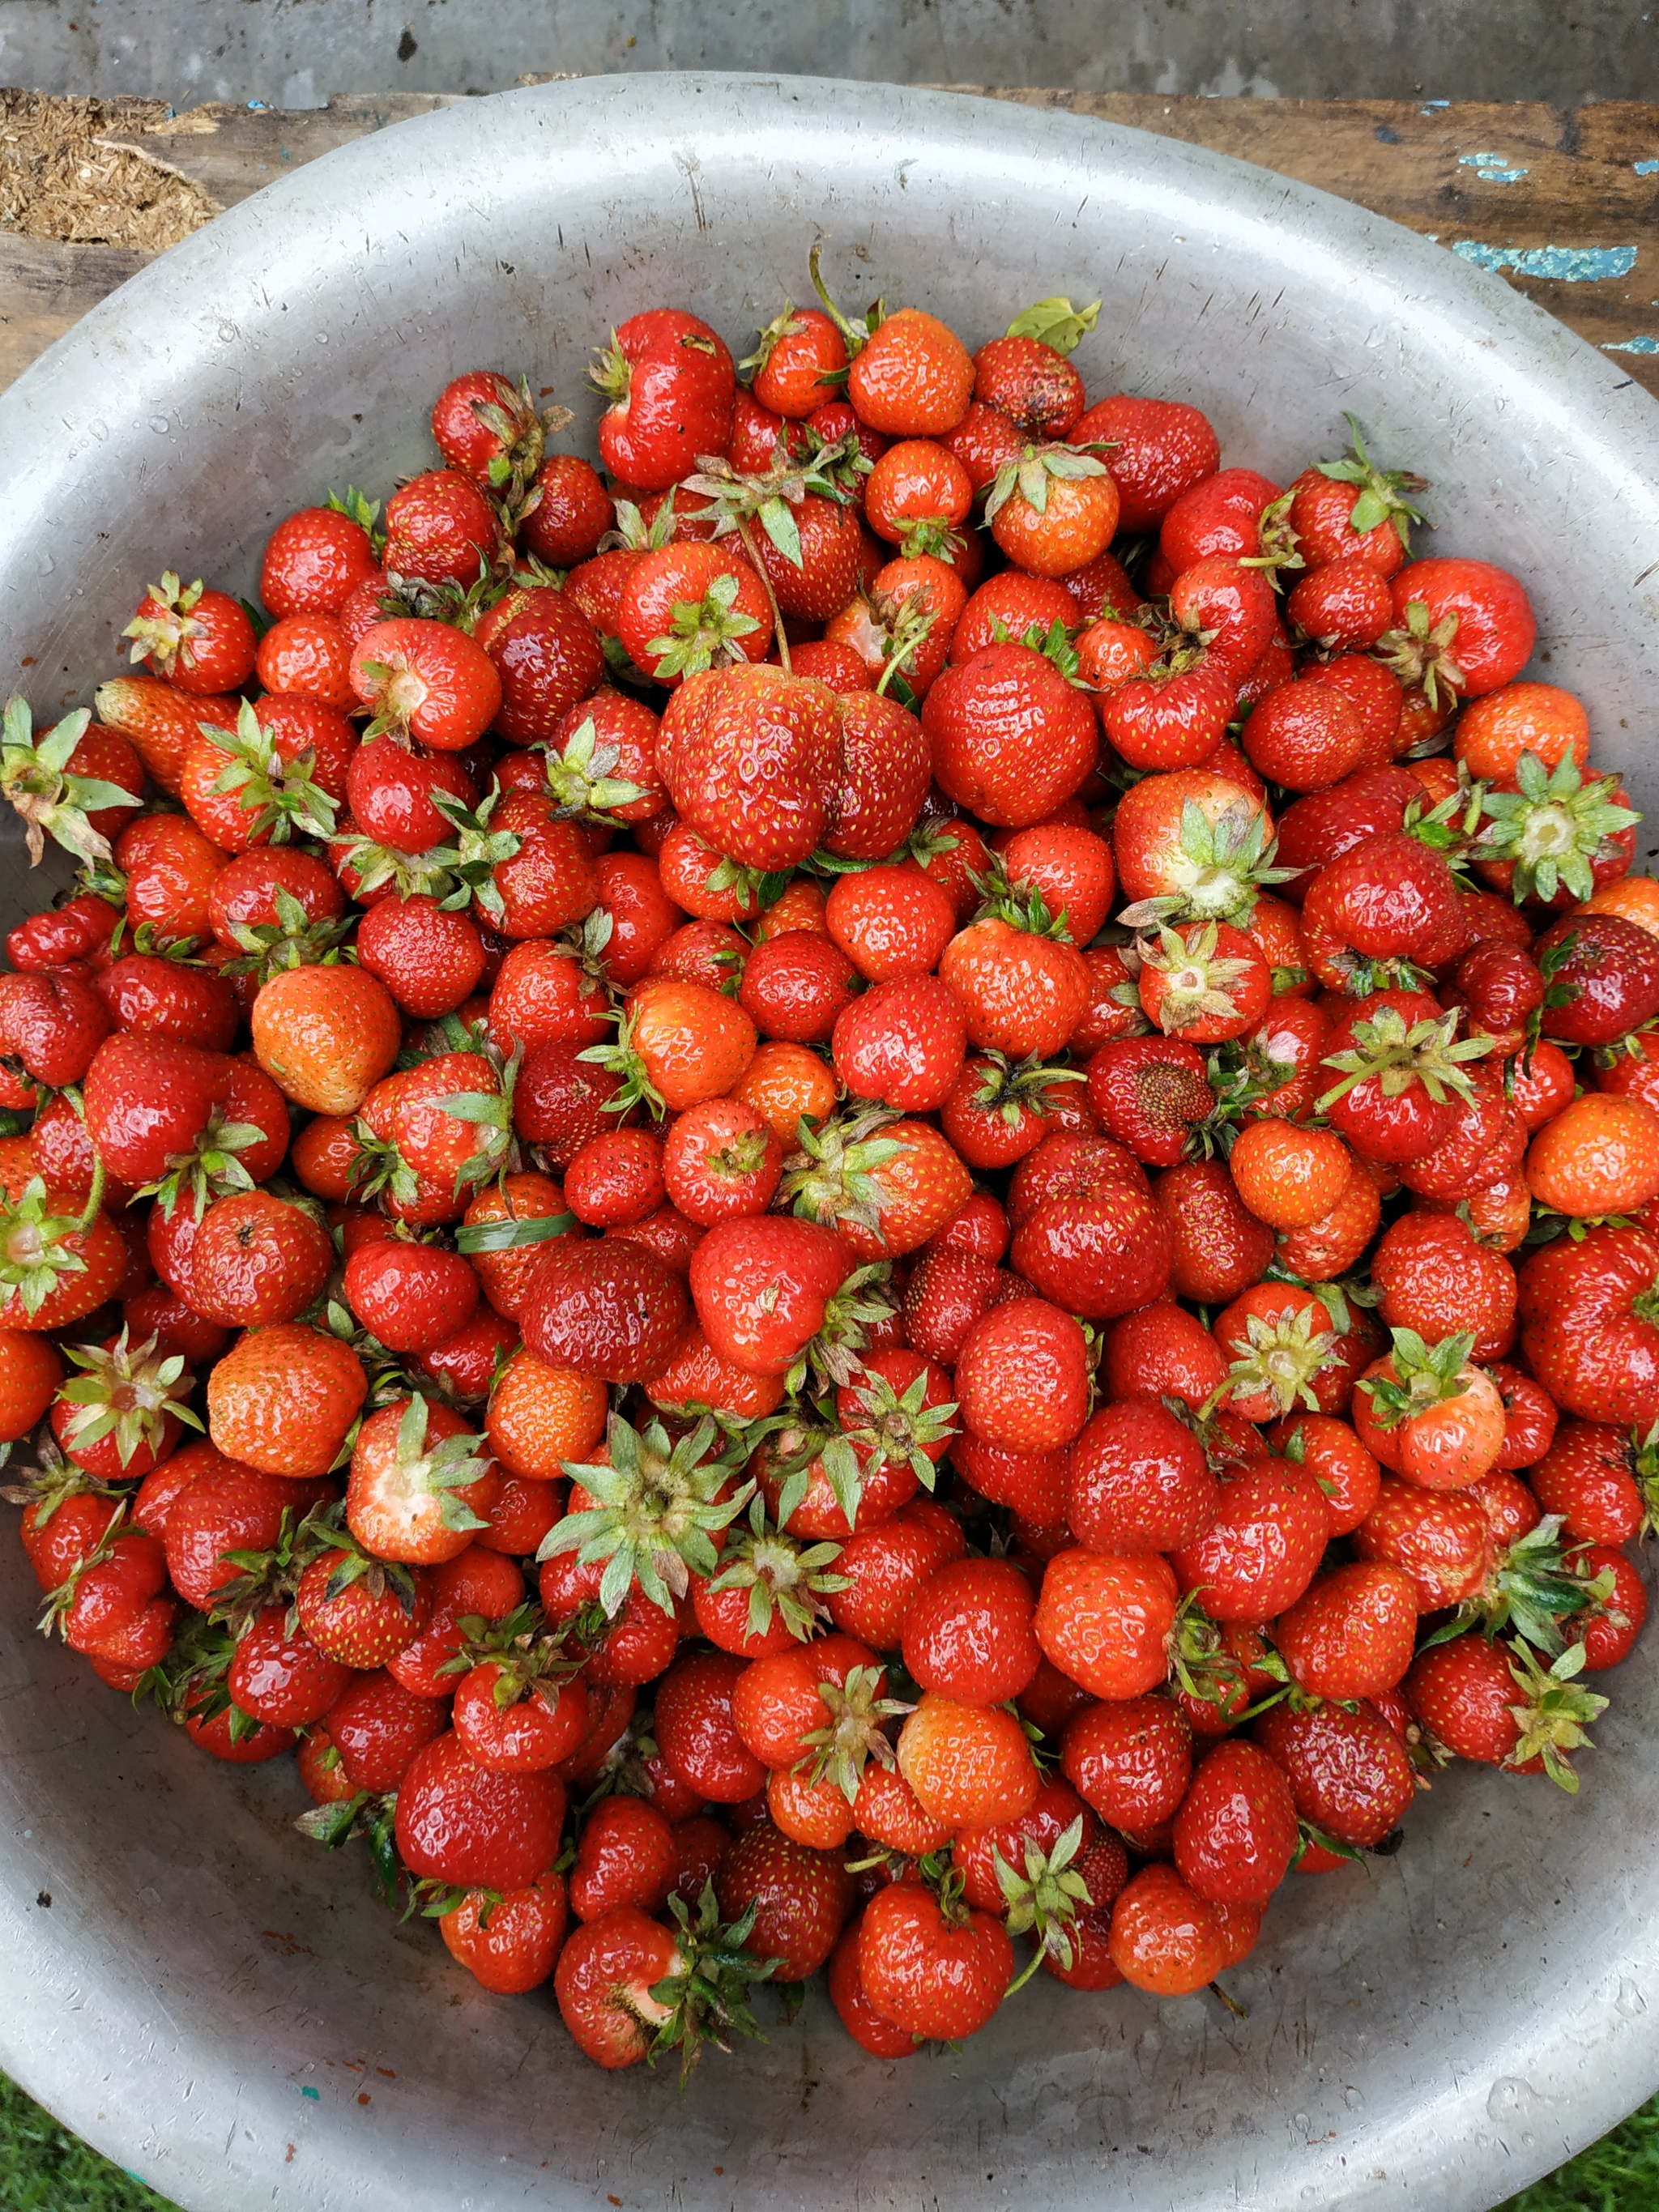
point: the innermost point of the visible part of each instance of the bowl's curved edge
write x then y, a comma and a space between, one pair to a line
47, 431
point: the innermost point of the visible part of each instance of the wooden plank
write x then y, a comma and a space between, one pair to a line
1561, 200
46, 286
231, 150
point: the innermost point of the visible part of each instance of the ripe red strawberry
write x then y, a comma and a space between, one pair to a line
53, 1023
902, 1043
1100, 1256
672, 387
1584, 1329
1031, 1485
439, 529
1103, 1619
1137, 1480
1221, 516
429, 959
361, 1611
1465, 621
510, 1944
882, 780
232, 1507
314, 560
200, 640
1164, 1351
547, 655
1022, 1376
1604, 977
1352, 1634
1150, 1092
1496, 1703
931, 1975
461, 1824
1442, 1540
1349, 1772
513, 1720
1011, 739
410, 1298
1131, 1760
698, 1733
604, 1308
257, 1259
799, 1898
882, 1567
1023, 987
606, 1979
280, 1676
1264, 1547
1156, 449
417, 1483
869, 2029
427, 681
391, 794
1586, 1476
1164, 1937
166, 998
752, 764
1387, 899
1399, 1074
792, 987
887, 1185
1236, 1832
968, 1633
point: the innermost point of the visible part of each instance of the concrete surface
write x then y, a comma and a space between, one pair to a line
292, 53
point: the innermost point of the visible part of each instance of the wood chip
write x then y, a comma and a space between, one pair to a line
60, 179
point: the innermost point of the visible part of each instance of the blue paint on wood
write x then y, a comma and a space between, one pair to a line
1646, 168
1433, 106
1492, 168
1567, 265
1642, 344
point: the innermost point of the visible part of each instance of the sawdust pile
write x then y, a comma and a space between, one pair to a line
57, 181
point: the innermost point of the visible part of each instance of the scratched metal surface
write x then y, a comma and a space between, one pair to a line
222, 2009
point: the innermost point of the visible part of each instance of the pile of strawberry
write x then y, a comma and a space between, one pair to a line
889, 1184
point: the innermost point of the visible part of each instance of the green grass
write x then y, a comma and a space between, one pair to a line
1620, 2173
43, 2168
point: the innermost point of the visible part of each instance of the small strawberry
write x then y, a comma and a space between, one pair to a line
1011, 738
1103, 1619
316, 558
1495, 1703
439, 529
931, 1972
902, 1043
1264, 1547
1022, 1376
1165, 1938
283, 1399
200, 640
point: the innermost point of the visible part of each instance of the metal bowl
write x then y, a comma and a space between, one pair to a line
217, 2004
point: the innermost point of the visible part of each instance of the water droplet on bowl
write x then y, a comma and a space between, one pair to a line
1301, 2123
159, 423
